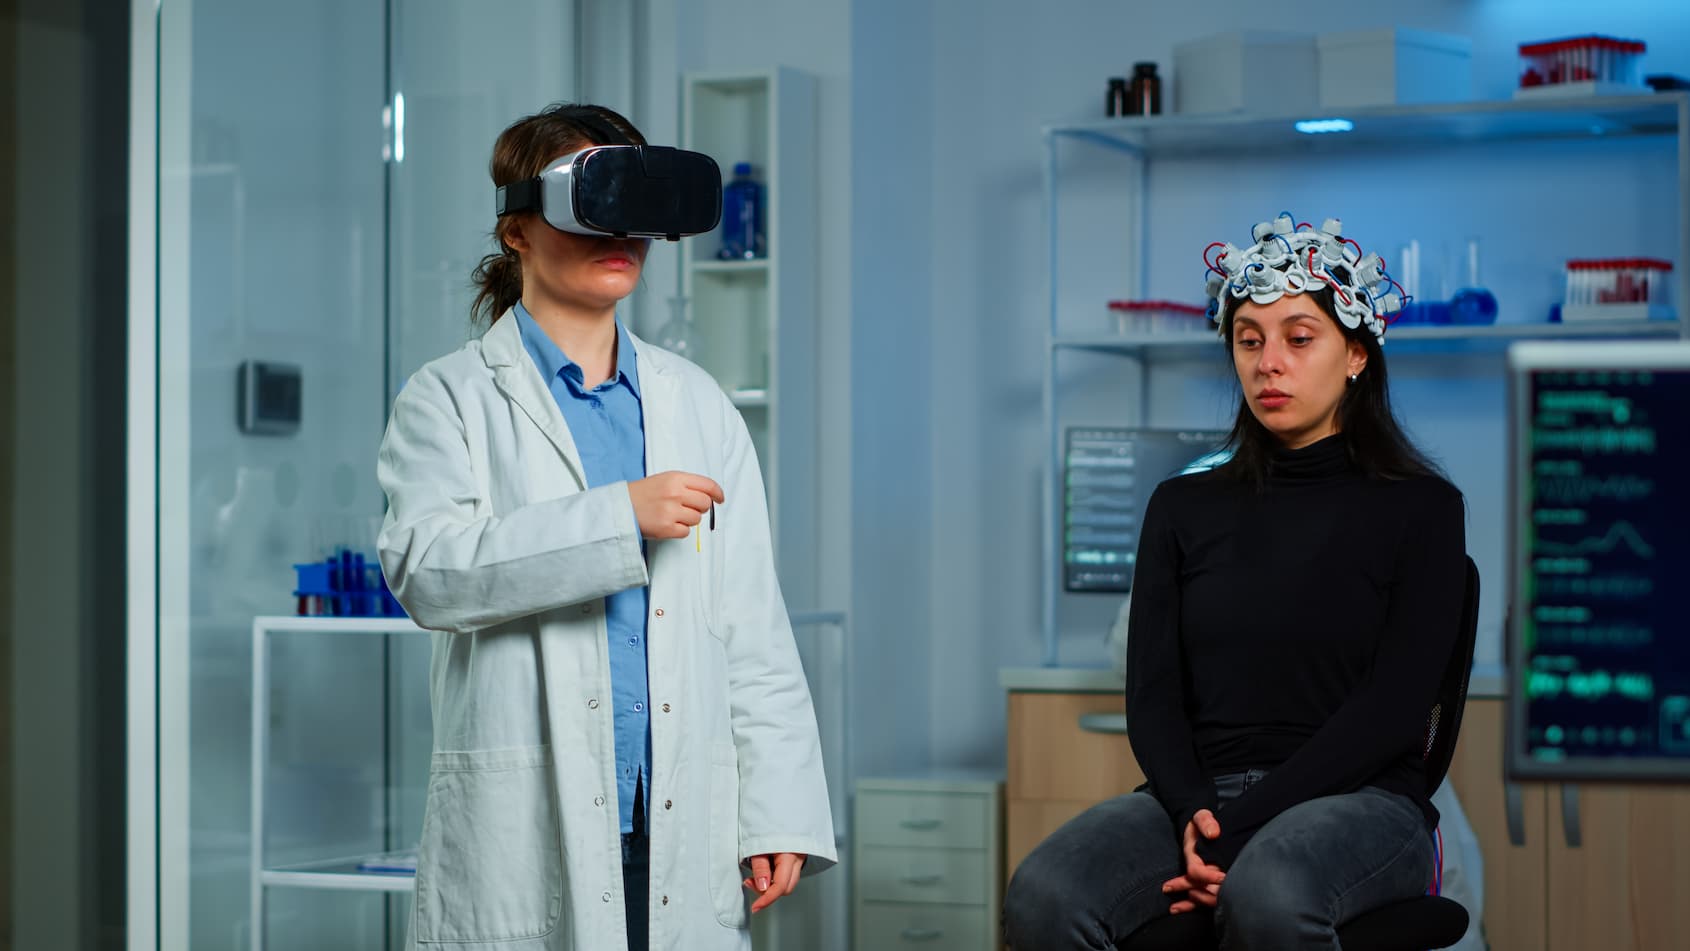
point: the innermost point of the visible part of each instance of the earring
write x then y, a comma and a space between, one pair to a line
1353, 379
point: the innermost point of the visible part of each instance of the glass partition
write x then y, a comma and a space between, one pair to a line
322, 197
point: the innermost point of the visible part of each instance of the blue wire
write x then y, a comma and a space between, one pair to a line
1288, 249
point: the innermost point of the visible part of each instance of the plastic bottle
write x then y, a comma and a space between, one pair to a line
742, 216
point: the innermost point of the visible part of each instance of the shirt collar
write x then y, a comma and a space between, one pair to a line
551, 359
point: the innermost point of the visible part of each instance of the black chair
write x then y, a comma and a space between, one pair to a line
1418, 924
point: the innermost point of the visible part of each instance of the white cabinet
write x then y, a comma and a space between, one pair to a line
337, 802
928, 860
754, 320
1098, 191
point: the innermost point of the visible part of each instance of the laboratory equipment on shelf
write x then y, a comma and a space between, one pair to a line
1157, 317
345, 584
1581, 65
1618, 289
743, 201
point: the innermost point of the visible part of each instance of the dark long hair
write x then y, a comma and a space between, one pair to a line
1377, 444
521, 152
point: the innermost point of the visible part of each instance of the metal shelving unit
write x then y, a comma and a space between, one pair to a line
1144, 140
340, 873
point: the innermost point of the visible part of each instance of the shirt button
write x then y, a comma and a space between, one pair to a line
634, 641
598, 800
638, 706
592, 704
659, 612
666, 708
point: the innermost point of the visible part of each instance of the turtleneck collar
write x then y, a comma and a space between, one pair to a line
1327, 458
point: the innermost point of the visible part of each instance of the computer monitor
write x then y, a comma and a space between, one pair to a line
1599, 558
1108, 475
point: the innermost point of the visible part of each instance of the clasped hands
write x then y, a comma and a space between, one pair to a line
1201, 883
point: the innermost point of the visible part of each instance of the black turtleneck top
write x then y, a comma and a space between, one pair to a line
1300, 626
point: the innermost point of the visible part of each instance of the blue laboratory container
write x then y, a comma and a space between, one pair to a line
1472, 305
742, 216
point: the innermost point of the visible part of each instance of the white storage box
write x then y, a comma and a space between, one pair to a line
1249, 71
1394, 66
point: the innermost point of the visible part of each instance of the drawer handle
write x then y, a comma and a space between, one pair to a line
921, 825
921, 934
922, 879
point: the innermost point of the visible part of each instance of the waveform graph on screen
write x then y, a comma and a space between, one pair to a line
1601, 563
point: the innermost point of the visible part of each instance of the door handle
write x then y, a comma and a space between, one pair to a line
921, 934
922, 879
920, 825
1513, 804
1570, 816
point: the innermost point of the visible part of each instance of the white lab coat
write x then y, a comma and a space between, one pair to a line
493, 540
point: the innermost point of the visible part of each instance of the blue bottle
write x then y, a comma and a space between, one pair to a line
742, 217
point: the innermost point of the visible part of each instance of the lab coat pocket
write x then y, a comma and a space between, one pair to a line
709, 580
490, 863
727, 889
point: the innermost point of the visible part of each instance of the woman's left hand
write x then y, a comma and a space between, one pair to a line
772, 884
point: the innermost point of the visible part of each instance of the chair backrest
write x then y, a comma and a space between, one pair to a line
1443, 726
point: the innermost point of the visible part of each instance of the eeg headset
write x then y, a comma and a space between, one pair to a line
1288, 258
623, 191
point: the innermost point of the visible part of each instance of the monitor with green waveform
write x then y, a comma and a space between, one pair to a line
1598, 552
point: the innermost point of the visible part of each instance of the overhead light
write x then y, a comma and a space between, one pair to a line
1318, 126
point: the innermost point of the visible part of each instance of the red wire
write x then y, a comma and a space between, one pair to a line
1212, 246
1322, 275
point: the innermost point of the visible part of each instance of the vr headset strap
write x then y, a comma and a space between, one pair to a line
518, 197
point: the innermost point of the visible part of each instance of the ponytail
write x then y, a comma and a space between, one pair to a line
499, 281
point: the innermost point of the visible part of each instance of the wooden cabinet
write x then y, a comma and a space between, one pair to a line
1057, 768
1626, 884
1621, 887
1515, 875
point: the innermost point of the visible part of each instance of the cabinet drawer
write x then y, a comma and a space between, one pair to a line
883, 925
923, 875
921, 820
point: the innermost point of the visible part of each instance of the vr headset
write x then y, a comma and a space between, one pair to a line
624, 191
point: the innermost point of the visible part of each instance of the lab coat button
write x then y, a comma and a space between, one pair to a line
659, 612
668, 803
598, 800
665, 899
666, 708
605, 896
592, 704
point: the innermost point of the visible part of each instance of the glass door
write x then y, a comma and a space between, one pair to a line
322, 195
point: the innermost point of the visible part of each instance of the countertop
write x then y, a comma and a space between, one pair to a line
1488, 680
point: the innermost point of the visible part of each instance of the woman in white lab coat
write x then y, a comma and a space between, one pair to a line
503, 537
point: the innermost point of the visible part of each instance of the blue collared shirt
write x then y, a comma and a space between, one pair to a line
608, 426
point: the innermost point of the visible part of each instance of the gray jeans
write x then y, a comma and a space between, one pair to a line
1313, 867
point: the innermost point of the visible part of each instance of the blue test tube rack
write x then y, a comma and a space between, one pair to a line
344, 585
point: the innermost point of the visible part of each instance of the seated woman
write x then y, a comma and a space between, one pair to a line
1292, 614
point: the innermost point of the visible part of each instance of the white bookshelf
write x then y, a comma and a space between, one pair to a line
754, 320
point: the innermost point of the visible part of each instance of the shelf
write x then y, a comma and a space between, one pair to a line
1489, 121
718, 266
1412, 337
339, 875
749, 399
287, 623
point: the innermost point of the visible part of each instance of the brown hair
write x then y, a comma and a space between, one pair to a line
522, 152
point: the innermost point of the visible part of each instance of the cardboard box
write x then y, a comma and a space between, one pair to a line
1249, 71
1394, 66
